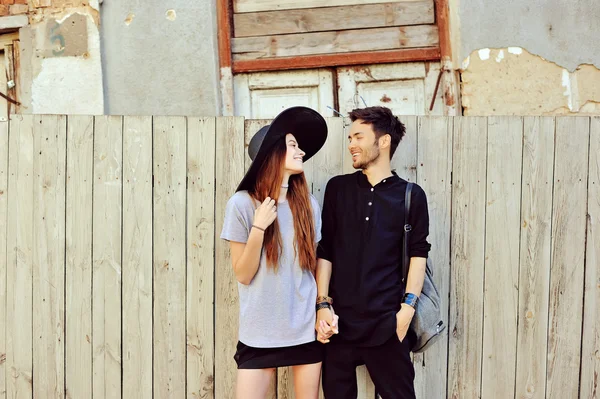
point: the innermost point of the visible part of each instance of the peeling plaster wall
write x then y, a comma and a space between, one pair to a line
512, 81
529, 57
160, 57
60, 65
564, 32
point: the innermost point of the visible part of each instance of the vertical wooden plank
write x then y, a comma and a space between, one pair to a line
347, 98
434, 168
242, 101
106, 257
404, 161
568, 250
308, 167
346, 158
137, 257
467, 257
590, 362
19, 312
49, 256
3, 251
80, 180
534, 280
229, 170
502, 240
251, 127
200, 260
169, 256
365, 385
328, 162
285, 383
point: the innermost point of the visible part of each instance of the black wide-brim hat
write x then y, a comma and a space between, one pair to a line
306, 124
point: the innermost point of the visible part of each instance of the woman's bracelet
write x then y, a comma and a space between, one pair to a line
260, 228
322, 305
323, 298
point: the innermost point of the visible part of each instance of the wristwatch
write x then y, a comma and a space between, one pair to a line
410, 299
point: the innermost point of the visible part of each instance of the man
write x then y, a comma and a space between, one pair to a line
360, 264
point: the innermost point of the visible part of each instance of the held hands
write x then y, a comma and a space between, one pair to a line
326, 325
265, 214
403, 319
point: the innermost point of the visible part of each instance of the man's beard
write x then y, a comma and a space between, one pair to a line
370, 157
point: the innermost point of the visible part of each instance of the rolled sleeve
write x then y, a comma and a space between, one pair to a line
419, 220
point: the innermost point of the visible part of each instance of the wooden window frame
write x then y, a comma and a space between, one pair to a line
225, 30
10, 46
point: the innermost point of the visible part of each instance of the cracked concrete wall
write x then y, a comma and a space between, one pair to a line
529, 57
160, 57
59, 59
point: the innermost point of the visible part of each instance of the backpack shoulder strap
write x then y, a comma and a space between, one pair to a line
407, 229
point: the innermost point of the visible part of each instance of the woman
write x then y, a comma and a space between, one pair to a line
273, 226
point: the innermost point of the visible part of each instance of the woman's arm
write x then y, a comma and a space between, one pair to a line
245, 257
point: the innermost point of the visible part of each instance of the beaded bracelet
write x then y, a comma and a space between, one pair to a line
323, 298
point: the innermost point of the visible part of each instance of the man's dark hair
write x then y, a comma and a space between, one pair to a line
382, 121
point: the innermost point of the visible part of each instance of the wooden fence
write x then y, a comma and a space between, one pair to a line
114, 283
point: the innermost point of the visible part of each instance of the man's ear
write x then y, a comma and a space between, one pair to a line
385, 141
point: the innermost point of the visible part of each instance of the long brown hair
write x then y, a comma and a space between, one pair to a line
268, 184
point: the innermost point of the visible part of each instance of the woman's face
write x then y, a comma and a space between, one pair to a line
294, 155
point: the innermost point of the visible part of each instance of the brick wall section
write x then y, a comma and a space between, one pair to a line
13, 7
9, 2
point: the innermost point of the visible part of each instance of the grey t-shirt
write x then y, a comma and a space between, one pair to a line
277, 309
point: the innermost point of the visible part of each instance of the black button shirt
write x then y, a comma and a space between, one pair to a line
362, 234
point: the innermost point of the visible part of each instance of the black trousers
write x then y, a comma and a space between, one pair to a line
388, 364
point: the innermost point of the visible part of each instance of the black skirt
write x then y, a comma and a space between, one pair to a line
248, 357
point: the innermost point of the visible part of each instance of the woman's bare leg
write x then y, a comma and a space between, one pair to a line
307, 378
253, 383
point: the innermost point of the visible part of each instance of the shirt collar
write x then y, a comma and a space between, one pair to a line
363, 182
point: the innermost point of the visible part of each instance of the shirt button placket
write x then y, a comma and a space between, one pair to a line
370, 204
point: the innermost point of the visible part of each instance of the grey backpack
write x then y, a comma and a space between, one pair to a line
427, 323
